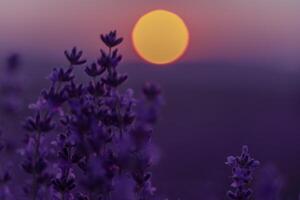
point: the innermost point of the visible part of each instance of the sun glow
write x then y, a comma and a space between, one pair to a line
160, 37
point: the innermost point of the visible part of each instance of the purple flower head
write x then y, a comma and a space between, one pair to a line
150, 104
35, 165
61, 75
109, 60
96, 89
74, 57
64, 181
242, 167
39, 123
115, 58
54, 98
74, 90
68, 152
111, 39
115, 79
104, 61
94, 70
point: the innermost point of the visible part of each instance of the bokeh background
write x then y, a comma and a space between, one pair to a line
238, 83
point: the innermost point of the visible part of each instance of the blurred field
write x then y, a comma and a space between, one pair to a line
211, 110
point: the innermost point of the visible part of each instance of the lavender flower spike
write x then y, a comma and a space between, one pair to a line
111, 39
243, 167
74, 57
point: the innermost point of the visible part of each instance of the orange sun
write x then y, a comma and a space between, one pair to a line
160, 37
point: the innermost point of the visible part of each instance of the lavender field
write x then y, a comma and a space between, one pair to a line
204, 118
139, 100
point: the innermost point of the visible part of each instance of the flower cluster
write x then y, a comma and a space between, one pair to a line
35, 155
242, 171
93, 140
102, 133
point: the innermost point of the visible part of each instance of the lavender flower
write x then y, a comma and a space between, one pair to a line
39, 124
64, 182
61, 75
94, 70
96, 89
101, 141
243, 167
35, 153
74, 57
141, 136
54, 98
111, 39
151, 103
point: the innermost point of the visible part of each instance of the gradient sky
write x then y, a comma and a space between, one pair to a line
220, 29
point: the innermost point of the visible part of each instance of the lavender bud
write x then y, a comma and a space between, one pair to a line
243, 167
74, 57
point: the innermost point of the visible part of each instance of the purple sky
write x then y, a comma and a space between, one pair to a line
233, 29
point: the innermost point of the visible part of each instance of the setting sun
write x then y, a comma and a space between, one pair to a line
160, 37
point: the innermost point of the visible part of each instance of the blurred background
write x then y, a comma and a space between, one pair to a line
238, 83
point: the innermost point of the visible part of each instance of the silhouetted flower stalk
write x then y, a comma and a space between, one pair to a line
242, 167
111, 40
74, 57
64, 181
141, 135
35, 162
